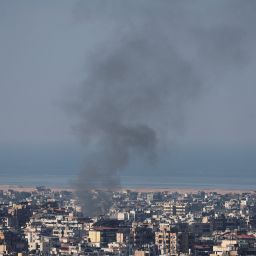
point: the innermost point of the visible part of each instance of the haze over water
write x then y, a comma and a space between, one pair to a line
190, 168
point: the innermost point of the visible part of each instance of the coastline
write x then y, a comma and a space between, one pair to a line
194, 190
20, 188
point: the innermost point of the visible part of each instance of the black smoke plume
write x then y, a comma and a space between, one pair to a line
132, 98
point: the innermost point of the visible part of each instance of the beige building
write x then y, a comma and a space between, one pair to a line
102, 236
3, 249
141, 253
179, 209
168, 207
94, 237
226, 248
166, 241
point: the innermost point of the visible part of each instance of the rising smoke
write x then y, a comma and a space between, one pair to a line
134, 97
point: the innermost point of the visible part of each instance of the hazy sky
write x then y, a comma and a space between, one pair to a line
44, 49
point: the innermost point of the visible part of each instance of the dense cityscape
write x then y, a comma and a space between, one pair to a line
51, 222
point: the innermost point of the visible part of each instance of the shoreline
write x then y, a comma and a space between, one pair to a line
195, 190
21, 188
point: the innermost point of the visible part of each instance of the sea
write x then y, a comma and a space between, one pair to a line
195, 168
